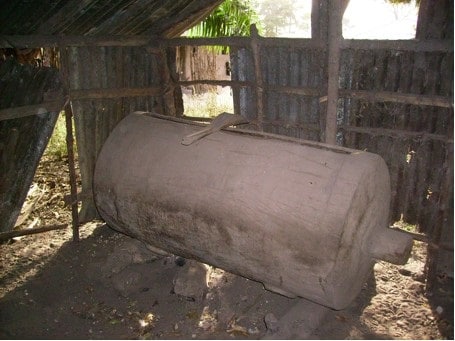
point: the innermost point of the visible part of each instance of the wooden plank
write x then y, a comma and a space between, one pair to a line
34, 41
31, 41
100, 93
64, 72
336, 9
30, 110
11, 234
83, 75
72, 171
280, 123
255, 47
294, 90
231, 83
389, 96
371, 96
170, 90
404, 134
399, 45
243, 42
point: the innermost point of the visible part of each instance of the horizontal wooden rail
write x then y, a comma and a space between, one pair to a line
18, 233
294, 90
389, 96
402, 134
244, 42
34, 41
368, 95
30, 110
286, 125
100, 93
198, 119
220, 41
216, 82
401, 45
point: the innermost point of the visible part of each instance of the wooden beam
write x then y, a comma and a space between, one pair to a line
395, 133
72, 171
292, 90
402, 45
30, 110
241, 84
312, 127
388, 96
336, 10
100, 93
18, 233
259, 89
243, 42
295, 90
220, 41
64, 72
34, 41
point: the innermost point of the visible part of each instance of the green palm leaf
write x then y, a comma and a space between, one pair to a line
231, 18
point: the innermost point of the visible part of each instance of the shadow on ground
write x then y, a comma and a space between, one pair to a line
110, 286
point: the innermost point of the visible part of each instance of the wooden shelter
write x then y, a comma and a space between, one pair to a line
393, 98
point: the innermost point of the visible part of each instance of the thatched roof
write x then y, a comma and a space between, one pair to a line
99, 17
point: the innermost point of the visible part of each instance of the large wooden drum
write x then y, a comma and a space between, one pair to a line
305, 219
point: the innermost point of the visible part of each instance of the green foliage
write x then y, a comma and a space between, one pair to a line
231, 18
57, 143
398, 2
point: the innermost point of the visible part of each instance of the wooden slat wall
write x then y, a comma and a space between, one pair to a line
418, 164
285, 69
416, 141
104, 68
23, 139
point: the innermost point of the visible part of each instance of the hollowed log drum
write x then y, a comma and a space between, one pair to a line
305, 219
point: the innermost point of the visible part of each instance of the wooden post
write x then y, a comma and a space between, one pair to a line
319, 20
72, 170
172, 102
70, 144
335, 36
258, 75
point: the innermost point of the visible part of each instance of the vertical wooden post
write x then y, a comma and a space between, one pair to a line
336, 10
64, 67
235, 76
258, 75
171, 92
442, 221
72, 170
319, 18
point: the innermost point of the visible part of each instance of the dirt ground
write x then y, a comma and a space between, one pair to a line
110, 286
